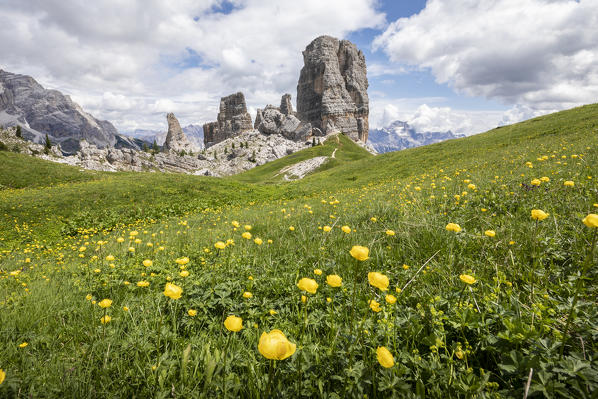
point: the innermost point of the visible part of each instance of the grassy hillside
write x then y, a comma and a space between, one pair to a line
461, 293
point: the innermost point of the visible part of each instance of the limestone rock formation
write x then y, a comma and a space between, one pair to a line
176, 140
233, 119
274, 120
332, 89
39, 111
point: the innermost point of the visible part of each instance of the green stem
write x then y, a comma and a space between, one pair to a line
578, 287
224, 369
270, 378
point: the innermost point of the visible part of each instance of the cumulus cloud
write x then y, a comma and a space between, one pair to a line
132, 62
541, 54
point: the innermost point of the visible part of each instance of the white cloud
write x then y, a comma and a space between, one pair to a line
542, 54
123, 63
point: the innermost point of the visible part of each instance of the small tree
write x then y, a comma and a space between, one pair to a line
155, 148
19, 133
313, 141
318, 141
145, 147
47, 145
225, 150
233, 145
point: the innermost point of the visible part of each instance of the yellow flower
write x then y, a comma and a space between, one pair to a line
385, 358
247, 227
373, 219
405, 267
471, 186
258, 241
272, 312
110, 258
292, 228
143, 283
591, 220
569, 183
374, 305
247, 295
105, 319
545, 179
172, 291
96, 270
490, 233
390, 298
275, 345
246, 235
538, 214
184, 273
2, 376
82, 249
378, 280
88, 297
105, 303
233, 323
120, 239
318, 272
147, 263
235, 223
360, 253
182, 261
467, 279
346, 229
327, 228
536, 182
131, 249
334, 280
308, 284
220, 245
192, 312
303, 298
453, 227
24, 344
328, 299
390, 233
126, 308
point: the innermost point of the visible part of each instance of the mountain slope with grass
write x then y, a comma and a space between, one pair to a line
461, 269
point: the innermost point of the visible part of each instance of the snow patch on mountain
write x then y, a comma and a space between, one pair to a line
400, 135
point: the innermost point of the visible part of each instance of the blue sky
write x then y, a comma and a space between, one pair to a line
438, 64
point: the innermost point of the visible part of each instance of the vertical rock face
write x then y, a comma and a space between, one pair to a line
285, 105
175, 138
233, 119
332, 89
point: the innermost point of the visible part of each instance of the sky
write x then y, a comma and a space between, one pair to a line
460, 65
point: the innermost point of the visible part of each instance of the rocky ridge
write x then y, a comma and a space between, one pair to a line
282, 120
233, 119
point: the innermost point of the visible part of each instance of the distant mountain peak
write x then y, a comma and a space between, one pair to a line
399, 135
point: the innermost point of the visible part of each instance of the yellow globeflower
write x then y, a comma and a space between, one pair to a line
192, 312
536, 182
545, 179
373, 219
467, 279
24, 344
184, 273
147, 263
378, 280
390, 232
490, 233
318, 272
390, 298
233, 323
453, 227
220, 245
235, 223
105, 319
538, 214
346, 229
326, 228
172, 291
246, 235
258, 241
275, 345
105, 303
2, 376
360, 253
385, 358
143, 283
110, 258
120, 239
471, 186
292, 228
569, 183
308, 284
247, 295
88, 297
182, 261
375, 305
247, 227
334, 280
591, 220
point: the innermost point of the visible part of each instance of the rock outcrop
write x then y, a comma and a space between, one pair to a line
332, 89
274, 120
233, 119
176, 141
38, 111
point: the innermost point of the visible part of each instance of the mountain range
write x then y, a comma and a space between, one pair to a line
193, 132
400, 135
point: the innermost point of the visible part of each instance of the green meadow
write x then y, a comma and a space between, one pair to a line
424, 273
